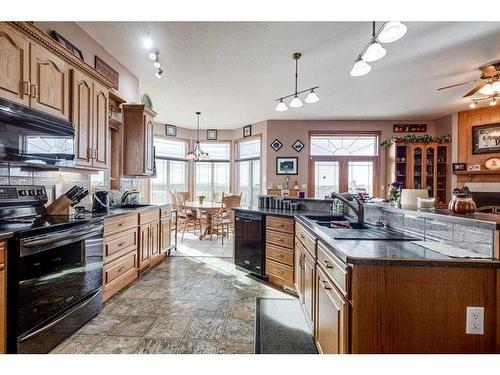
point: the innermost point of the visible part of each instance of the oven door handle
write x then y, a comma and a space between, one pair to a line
73, 236
53, 323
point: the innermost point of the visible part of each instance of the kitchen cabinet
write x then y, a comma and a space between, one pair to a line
280, 251
309, 269
165, 237
144, 246
3, 295
90, 116
14, 66
138, 131
332, 314
298, 269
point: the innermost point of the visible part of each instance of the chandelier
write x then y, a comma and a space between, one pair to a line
197, 153
296, 102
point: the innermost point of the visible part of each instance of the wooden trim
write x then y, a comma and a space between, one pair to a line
45, 40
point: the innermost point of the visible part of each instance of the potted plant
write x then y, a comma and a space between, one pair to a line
395, 193
201, 198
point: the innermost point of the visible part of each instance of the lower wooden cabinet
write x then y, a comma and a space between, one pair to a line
165, 228
331, 317
309, 269
119, 273
3, 295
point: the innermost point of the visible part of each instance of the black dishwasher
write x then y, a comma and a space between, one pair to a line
249, 242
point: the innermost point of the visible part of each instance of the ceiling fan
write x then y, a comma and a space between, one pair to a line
490, 85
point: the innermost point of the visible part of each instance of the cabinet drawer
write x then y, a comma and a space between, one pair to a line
122, 266
165, 213
280, 224
279, 270
119, 244
119, 224
280, 255
279, 239
334, 268
307, 240
2, 254
148, 216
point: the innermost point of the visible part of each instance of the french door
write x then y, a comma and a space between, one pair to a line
353, 174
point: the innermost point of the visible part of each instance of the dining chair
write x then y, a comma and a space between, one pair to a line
189, 219
223, 220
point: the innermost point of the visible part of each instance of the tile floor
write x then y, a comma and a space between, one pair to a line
192, 302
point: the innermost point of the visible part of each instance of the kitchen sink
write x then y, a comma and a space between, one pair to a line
326, 218
135, 205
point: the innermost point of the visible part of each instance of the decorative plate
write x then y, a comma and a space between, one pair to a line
276, 145
492, 164
146, 100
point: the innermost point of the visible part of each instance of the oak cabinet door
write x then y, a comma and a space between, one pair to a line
49, 82
155, 239
309, 281
144, 245
148, 146
298, 271
164, 235
331, 318
14, 66
100, 119
81, 116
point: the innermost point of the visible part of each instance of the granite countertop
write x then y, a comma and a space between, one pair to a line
381, 252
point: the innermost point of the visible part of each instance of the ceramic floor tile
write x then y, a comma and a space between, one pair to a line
117, 345
234, 347
190, 346
100, 325
169, 327
134, 326
77, 344
135, 291
120, 307
177, 308
212, 309
239, 330
205, 328
242, 311
157, 346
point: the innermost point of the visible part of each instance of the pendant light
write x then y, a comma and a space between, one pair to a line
197, 153
392, 31
311, 98
360, 68
375, 51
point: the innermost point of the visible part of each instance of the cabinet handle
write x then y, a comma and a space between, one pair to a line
327, 264
121, 269
26, 88
120, 225
95, 153
89, 153
33, 91
326, 285
302, 236
121, 244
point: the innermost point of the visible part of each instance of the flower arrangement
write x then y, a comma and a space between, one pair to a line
395, 192
413, 138
201, 198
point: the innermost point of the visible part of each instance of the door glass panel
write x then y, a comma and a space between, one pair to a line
417, 168
429, 171
361, 177
255, 182
326, 176
244, 181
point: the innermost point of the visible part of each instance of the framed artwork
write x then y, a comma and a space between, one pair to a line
212, 134
486, 139
457, 167
287, 165
298, 146
247, 131
68, 45
276, 145
171, 130
107, 71
409, 128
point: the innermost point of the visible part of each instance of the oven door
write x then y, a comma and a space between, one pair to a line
56, 271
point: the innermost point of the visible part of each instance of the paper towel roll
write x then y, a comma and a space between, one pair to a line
409, 196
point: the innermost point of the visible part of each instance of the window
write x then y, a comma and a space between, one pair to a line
213, 175
248, 171
171, 169
344, 162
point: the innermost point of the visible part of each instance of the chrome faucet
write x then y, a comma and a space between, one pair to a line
347, 198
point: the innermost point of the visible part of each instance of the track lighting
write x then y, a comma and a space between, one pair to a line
473, 104
159, 73
311, 98
147, 41
373, 51
153, 54
157, 62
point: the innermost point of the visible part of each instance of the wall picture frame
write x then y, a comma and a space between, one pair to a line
459, 167
486, 139
276, 145
247, 131
170, 130
287, 165
211, 134
68, 45
298, 145
409, 128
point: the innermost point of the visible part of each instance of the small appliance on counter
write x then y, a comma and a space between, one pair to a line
100, 201
132, 198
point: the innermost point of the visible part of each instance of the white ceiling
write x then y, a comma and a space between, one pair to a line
232, 72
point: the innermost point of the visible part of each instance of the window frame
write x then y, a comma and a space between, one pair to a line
344, 161
212, 167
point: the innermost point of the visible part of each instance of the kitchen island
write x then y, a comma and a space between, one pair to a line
387, 296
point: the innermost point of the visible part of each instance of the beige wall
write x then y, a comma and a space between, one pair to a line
128, 85
288, 131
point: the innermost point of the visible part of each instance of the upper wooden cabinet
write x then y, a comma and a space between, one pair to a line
14, 66
138, 133
90, 116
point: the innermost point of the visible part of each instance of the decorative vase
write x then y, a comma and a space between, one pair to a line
462, 204
201, 199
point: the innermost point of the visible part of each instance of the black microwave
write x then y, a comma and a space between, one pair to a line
31, 137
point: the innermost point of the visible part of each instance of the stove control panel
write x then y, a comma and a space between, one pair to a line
22, 193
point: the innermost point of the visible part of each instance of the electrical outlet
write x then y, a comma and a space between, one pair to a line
475, 321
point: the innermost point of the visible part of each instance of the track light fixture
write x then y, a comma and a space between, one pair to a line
389, 32
491, 98
311, 98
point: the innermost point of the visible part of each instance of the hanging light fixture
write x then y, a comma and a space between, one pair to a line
197, 153
473, 104
311, 98
147, 41
373, 51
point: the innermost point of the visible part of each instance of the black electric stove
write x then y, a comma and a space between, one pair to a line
54, 270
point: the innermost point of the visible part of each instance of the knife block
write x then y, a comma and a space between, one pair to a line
60, 206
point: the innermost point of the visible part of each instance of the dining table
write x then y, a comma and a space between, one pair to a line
207, 208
